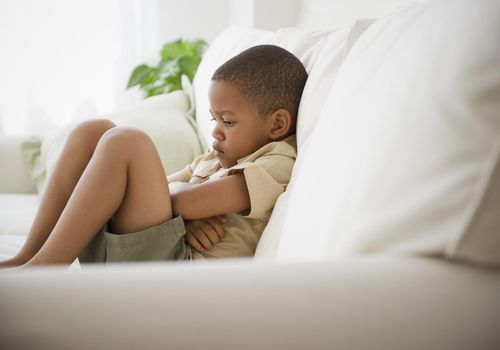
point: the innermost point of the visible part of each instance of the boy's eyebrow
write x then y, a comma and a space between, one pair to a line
221, 112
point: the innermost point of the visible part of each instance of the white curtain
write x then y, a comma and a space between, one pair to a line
66, 60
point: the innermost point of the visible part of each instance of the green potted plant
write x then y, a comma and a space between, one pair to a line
179, 57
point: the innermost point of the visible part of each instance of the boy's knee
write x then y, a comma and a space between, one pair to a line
92, 129
125, 137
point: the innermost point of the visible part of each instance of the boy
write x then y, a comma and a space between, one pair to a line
110, 179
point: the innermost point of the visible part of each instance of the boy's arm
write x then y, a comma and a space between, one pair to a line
222, 196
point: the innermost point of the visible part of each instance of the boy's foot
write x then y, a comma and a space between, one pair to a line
10, 263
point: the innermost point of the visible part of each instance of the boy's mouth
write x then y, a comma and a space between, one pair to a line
216, 148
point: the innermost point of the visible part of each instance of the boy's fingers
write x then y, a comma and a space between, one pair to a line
210, 232
192, 228
204, 234
217, 227
194, 242
202, 237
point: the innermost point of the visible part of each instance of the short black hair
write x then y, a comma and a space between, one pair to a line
268, 75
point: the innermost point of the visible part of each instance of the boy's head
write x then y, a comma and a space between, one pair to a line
254, 99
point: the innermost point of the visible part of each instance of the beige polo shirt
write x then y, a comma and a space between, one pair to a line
267, 173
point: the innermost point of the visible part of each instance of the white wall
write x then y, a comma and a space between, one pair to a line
206, 19
265, 14
192, 18
328, 14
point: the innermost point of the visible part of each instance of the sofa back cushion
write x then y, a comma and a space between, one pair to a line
323, 72
405, 154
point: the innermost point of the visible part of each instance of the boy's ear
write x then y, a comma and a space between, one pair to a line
281, 123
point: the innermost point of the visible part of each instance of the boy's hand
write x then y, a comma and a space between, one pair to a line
204, 234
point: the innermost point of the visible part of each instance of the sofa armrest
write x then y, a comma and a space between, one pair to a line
14, 175
356, 303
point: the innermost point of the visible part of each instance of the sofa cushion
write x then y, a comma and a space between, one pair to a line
323, 71
404, 156
17, 212
165, 118
10, 245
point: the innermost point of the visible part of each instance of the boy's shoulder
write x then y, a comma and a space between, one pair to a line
274, 160
285, 148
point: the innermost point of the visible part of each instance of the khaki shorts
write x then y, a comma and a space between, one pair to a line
157, 243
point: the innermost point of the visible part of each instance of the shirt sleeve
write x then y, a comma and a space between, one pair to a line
266, 178
184, 175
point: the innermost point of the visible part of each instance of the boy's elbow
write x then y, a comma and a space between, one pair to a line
182, 204
178, 207
180, 198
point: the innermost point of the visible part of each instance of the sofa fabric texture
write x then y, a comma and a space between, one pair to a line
411, 129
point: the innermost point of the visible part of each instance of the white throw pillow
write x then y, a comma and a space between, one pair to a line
405, 154
323, 70
232, 41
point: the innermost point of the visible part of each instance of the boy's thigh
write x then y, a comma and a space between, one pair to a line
147, 199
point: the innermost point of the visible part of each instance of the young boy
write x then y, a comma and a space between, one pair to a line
109, 180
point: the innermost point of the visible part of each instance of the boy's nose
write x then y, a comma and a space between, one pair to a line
217, 134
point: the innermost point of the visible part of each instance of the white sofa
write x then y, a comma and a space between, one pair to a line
388, 236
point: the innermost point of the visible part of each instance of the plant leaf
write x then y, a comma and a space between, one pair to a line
175, 49
188, 66
177, 58
138, 75
174, 82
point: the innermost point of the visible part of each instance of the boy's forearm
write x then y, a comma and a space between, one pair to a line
176, 187
218, 197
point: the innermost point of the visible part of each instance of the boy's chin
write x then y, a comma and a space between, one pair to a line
225, 163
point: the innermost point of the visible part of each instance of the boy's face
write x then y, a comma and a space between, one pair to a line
239, 130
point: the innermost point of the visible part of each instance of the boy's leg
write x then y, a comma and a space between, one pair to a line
74, 157
124, 177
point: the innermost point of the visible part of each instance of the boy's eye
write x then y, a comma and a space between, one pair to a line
226, 122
